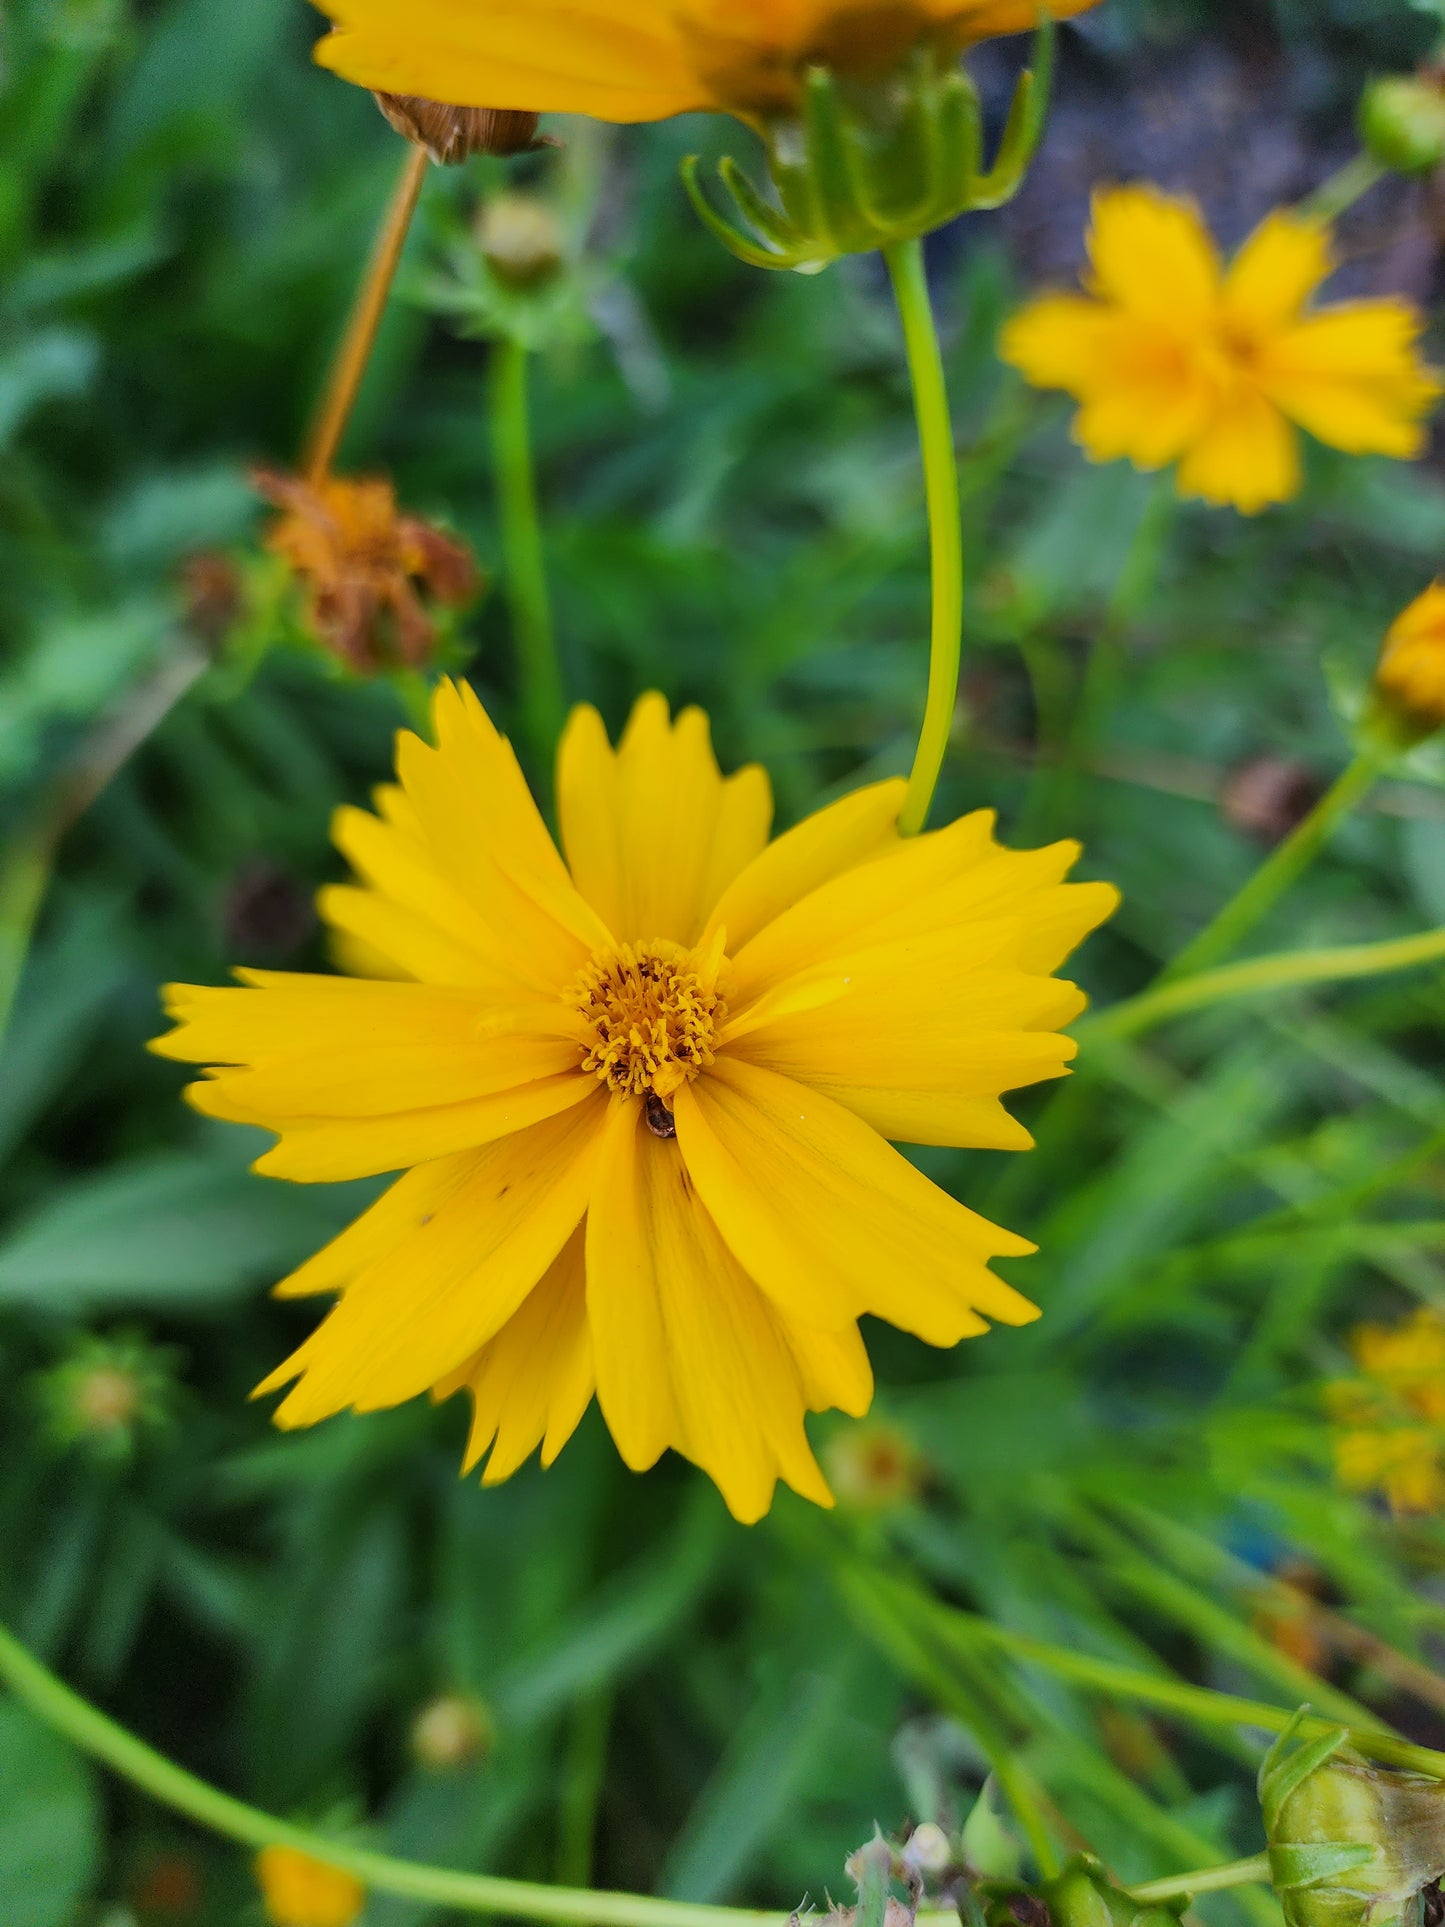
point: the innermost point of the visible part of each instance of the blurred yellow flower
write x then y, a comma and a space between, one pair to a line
635, 60
1175, 358
1391, 1419
1411, 672
300, 1892
642, 1098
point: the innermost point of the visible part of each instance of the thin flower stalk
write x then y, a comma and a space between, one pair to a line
1339, 193
1208, 1880
1280, 871
945, 526
360, 337
539, 674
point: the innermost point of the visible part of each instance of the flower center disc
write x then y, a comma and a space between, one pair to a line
651, 1013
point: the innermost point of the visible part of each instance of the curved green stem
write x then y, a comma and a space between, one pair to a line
52, 1701
1285, 972
524, 566
1208, 1880
940, 475
1281, 869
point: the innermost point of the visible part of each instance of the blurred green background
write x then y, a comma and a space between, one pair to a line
733, 512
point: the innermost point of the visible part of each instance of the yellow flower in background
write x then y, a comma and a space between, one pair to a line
298, 1891
1391, 1419
636, 60
642, 1098
1175, 358
1411, 673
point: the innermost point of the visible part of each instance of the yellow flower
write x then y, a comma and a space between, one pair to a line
635, 60
301, 1892
1411, 674
1391, 1418
642, 1098
1175, 358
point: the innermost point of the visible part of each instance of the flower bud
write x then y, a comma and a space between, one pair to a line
450, 1732
1350, 1844
453, 134
298, 1891
106, 1394
1410, 676
873, 1467
1082, 1895
520, 237
1402, 121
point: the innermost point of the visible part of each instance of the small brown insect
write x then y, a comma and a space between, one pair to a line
660, 1120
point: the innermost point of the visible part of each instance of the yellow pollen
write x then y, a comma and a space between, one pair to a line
651, 1013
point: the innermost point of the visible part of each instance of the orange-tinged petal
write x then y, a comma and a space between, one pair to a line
653, 833
1354, 378
531, 1384
619, 60
689, 1353
1247, 459
1152, 254
424, 1307
1275, 273
829, 1219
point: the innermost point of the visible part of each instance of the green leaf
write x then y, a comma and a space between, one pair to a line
49, 1824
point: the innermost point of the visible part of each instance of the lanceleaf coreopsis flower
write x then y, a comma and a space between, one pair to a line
637, 60
1390, 1420
642, 1097
297, 1891
1410, 677
1175, 358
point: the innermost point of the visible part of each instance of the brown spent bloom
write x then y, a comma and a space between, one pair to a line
370, 573
454, 134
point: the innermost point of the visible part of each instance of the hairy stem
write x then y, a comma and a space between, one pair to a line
539, 674
940, 474
360, 337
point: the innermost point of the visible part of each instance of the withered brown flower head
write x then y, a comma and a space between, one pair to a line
372, 576
452, 134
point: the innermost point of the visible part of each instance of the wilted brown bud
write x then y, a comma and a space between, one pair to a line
1268, 796
521, 239
452, 134
371, 574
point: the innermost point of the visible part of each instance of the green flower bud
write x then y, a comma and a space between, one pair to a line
106, 1394
1402, 121
1350, 1844
1083, 1895
863, 165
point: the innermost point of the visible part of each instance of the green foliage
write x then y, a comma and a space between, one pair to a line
733, 515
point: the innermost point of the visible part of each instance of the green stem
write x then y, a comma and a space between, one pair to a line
1208, 1880
1201, 1704
1340, 192
1282, 868
524, 567
52, 1701
1285, 972
945, 525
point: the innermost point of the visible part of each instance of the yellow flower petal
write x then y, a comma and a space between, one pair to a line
1354, 378
1066, 341
1275, 273
827, 844
1152, 254
689, 1353
531, 1384
619, 60
653, 834
1247, 459
413, 1316
832, 1222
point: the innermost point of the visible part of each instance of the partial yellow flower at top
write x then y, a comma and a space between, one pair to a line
1410, 678
636, 60
1175, 358
642, 1097
298, 1891
1391, 1418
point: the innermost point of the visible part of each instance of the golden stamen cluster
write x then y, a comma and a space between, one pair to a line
651, 1013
